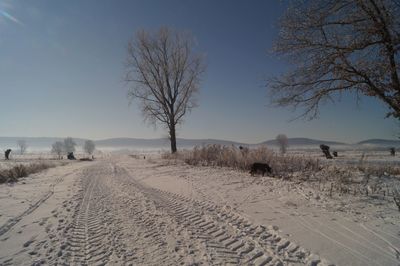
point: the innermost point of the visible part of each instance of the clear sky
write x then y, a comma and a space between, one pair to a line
61, 72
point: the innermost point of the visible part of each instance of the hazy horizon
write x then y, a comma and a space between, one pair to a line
61, 72
192, 139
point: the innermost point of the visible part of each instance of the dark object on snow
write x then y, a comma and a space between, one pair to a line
144, 157
71, 156
7, 154
325, 150
260, 167
86, 159
334, 153
393, 151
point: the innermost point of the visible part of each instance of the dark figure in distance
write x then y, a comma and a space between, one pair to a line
7, 154
335, 154
392, 151
71, 156
325, 150
260, 168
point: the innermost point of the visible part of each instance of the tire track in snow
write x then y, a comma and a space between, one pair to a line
89, 238
226, 237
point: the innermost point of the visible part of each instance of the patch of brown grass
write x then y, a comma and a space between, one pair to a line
241, 159
21, 170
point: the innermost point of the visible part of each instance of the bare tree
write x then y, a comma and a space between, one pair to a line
89, 146
283, 142
339, 46
58, 148
22, 146
164, 74
69, 145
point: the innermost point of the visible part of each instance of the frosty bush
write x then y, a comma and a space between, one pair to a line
242, 159
18, 171
89, 147
69, 145
58, 148
283, 142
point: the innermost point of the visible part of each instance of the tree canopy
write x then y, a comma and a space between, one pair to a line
338, 46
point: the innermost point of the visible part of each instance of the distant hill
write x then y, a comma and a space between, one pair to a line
131, 142
380, 142
160, 142
303, 142
44, 143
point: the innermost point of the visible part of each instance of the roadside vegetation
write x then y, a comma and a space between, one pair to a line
21, 170
377, 181
242, 158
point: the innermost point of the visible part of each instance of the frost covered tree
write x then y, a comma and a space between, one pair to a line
283, 142
22, 146
164, 72
338, 46
89, 146
69, 145
58, 148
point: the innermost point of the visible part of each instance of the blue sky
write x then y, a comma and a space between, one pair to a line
61, 72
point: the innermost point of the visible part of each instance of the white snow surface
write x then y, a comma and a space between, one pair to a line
122, 210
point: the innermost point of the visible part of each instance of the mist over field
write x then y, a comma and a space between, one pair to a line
44, 144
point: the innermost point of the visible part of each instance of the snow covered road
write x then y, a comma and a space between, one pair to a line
109, 212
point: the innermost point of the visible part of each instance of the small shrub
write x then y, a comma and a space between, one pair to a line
20, 170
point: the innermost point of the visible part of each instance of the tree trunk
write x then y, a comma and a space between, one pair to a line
172, 135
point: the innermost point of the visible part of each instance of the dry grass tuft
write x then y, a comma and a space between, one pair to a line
242, 159
20, 170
